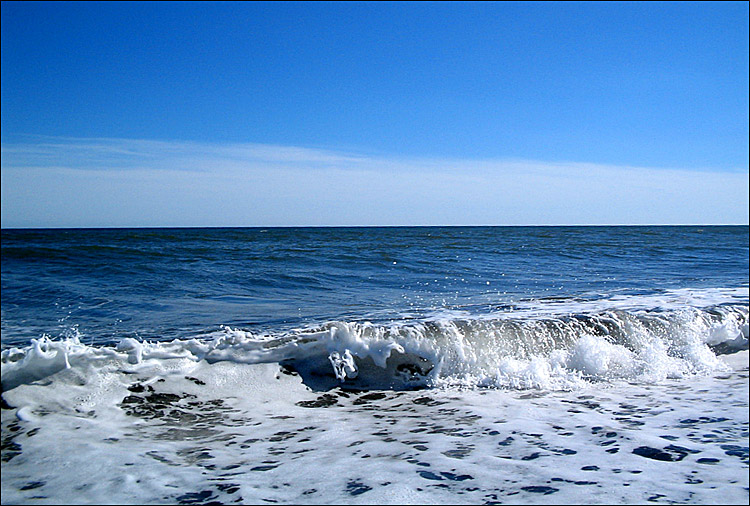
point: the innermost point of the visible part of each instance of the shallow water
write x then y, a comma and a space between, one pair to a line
193, 433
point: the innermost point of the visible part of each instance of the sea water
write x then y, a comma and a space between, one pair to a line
375, 365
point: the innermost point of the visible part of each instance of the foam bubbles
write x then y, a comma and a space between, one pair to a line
343, 365
596, 357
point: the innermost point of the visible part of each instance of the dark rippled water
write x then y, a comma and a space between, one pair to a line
109, 284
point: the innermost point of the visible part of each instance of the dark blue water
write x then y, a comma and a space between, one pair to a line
108, 284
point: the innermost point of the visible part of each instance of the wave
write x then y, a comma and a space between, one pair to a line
516, 350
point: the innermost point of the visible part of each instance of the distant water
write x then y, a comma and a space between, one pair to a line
389, 365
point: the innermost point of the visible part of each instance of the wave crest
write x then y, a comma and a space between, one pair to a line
504, 351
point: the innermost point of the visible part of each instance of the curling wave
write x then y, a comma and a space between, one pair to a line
504, 351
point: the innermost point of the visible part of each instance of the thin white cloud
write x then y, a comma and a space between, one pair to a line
58, 182
126, 154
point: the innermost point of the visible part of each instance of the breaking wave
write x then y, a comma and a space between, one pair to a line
557, 352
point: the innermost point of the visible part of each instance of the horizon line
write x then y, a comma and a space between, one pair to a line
198, 227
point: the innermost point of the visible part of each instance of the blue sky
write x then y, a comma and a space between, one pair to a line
262, 114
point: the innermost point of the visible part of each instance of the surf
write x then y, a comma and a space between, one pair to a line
501, 350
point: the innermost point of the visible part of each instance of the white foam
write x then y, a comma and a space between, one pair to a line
243, 430
554, 352
596, 357
667, 300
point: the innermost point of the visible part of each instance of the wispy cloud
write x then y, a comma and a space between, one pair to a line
124, 182
129, 154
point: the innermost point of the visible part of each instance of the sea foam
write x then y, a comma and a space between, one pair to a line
507, 351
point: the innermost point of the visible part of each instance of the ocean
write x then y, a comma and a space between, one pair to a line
403, 365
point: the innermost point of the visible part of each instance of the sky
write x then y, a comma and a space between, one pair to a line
126, 114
